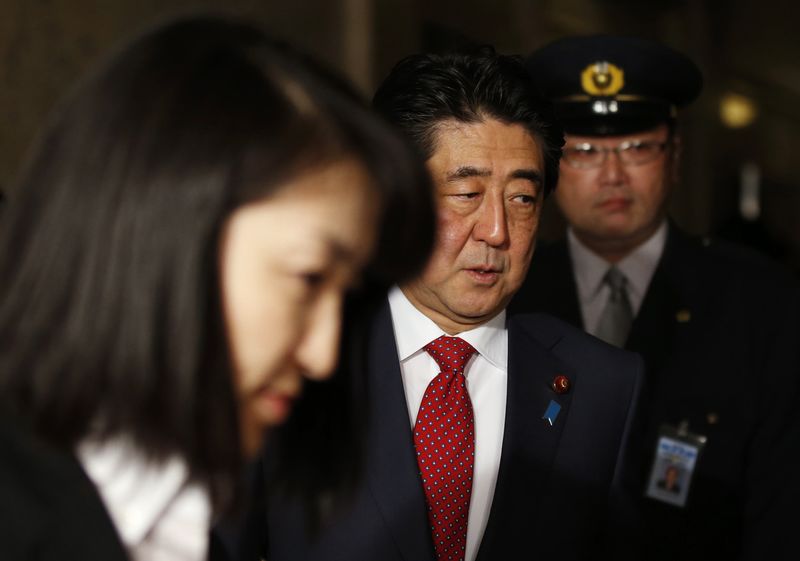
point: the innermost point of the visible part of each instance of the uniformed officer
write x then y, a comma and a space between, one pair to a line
717, 326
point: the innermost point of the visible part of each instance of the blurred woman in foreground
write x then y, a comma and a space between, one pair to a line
173, 263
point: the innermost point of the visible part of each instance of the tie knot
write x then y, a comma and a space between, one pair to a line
450, 353
616, 280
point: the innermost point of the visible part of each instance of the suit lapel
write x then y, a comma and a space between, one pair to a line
675, 302
656, 315
529, 442
663, 310
393, 472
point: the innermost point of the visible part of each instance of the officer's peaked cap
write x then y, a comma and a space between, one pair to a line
607, 85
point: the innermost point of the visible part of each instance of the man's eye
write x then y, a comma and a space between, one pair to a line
526, 199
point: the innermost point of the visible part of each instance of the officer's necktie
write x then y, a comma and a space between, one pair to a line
444, 437
615, 321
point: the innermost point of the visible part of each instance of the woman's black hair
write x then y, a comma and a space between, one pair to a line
110, 320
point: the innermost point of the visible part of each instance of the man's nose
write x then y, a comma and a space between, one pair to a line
613, 171
491, 224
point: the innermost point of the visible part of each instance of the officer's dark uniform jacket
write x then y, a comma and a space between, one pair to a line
718, 329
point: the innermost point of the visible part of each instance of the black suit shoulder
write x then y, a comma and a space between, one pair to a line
549, 255
549, 286
50, 508
719, 260
731, 288
576, 348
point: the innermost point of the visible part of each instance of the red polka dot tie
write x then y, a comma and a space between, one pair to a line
444, 436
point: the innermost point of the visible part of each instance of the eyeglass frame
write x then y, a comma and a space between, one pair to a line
619, 150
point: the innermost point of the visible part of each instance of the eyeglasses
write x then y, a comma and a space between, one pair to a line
631, 153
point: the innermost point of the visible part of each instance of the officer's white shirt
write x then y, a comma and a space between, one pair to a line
589, 269
486, 375
158, 513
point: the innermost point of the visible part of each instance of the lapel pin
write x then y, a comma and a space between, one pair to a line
683, 316
560, 384
551, 413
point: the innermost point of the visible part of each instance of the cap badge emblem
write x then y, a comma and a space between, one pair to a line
602, 79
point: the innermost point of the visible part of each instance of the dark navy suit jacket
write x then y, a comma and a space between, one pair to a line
561, 490
719, 332
50, 509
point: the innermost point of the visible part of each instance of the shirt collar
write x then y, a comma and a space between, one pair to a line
638, 266
413, 330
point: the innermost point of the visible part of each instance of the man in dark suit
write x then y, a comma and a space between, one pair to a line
717, 327
535, 420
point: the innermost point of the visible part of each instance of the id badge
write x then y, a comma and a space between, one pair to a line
675, 458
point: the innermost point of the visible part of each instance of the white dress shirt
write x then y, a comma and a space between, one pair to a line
486, 375
589, 268
159, 515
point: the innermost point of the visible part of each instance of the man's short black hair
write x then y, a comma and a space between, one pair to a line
423, 90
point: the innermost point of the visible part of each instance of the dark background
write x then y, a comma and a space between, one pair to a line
745, 47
